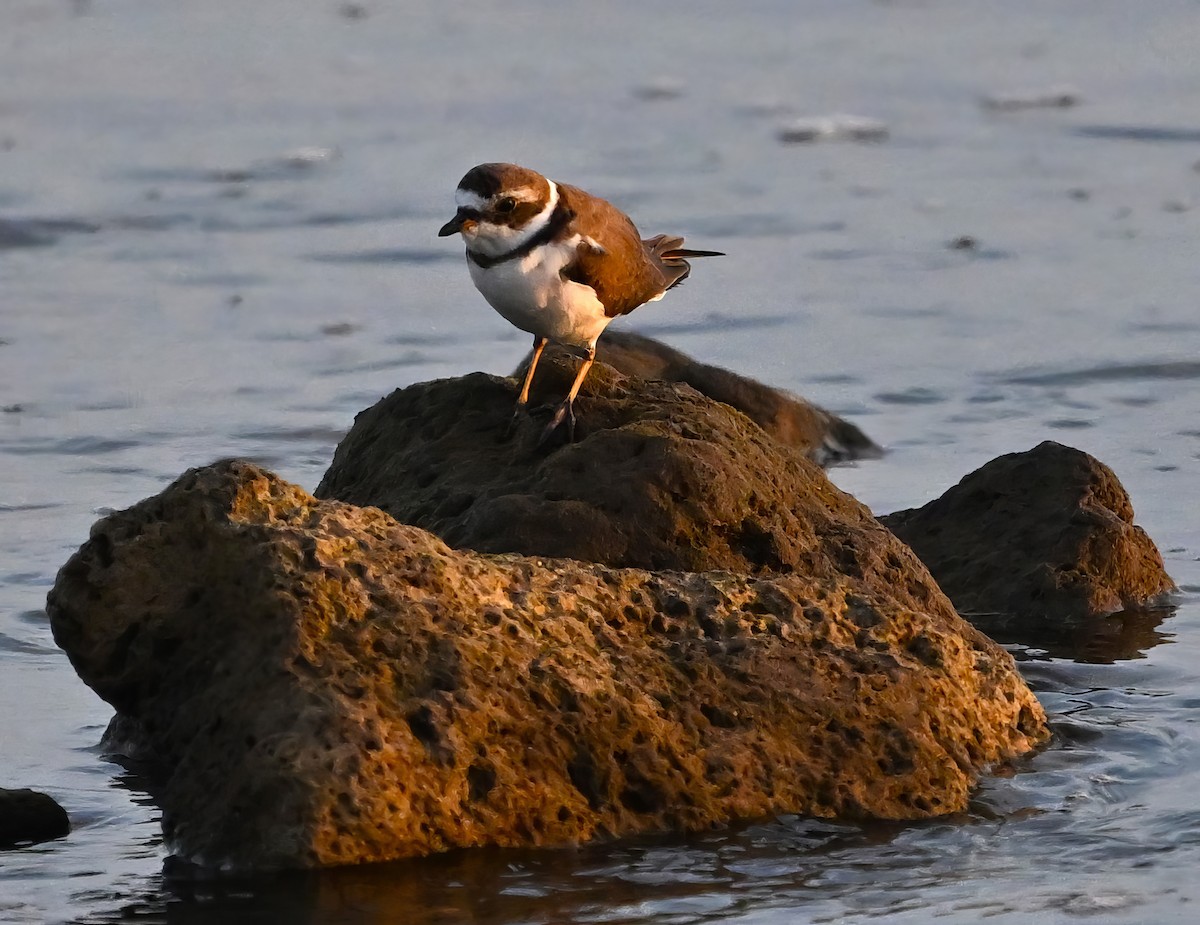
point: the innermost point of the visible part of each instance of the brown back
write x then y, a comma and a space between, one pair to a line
625, 273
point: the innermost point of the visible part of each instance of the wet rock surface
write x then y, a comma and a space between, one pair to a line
1047, 534
324, 685
820, 435
27, 817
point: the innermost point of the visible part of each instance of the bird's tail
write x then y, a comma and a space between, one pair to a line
689, 252
673, 257
669, 247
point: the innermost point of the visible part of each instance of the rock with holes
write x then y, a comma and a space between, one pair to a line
324, 685
820, 435
660, 477
1043, 535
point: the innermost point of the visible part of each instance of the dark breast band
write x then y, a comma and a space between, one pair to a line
558, 221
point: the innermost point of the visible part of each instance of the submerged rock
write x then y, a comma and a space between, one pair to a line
27, 816
1045, 534
820, 435
324, 685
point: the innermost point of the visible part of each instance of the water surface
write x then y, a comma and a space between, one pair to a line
217, 237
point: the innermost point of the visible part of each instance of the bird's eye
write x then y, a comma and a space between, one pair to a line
507, 204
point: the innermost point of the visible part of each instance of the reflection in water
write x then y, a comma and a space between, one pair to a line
1100, 640
650, 879
786, 870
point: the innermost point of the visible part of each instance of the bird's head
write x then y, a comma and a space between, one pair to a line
500, 206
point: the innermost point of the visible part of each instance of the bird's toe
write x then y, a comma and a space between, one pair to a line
563, 413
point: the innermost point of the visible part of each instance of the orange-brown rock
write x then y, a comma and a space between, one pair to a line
1044, 534
820, 435
324, 685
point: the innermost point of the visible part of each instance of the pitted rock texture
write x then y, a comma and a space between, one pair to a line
661, 477
820, 435
324, 685
1047, 533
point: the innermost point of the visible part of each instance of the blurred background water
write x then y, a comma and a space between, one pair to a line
217, 228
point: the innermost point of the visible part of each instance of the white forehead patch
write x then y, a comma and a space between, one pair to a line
467, 199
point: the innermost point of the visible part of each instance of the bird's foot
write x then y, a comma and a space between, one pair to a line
564, 412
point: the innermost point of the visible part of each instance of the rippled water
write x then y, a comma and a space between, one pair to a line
217, 238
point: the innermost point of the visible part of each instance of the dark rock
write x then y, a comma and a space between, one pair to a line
328, 686
661, 478
1048, 533
27, 816
820, 435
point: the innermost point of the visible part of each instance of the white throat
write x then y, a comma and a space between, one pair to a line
492, 240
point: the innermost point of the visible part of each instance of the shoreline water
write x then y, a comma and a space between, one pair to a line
176, 285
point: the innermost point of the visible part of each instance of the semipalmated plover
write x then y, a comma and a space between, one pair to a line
559, 263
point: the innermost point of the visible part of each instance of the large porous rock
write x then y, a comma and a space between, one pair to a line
1047, 533
324, 685
820, 435
28, 816
661, 477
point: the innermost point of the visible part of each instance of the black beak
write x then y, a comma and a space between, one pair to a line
453, 226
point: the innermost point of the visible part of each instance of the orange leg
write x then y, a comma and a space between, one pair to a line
539, 344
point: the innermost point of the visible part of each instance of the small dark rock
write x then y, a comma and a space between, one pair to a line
27, 816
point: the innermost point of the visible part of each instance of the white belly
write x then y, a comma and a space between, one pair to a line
532, 295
